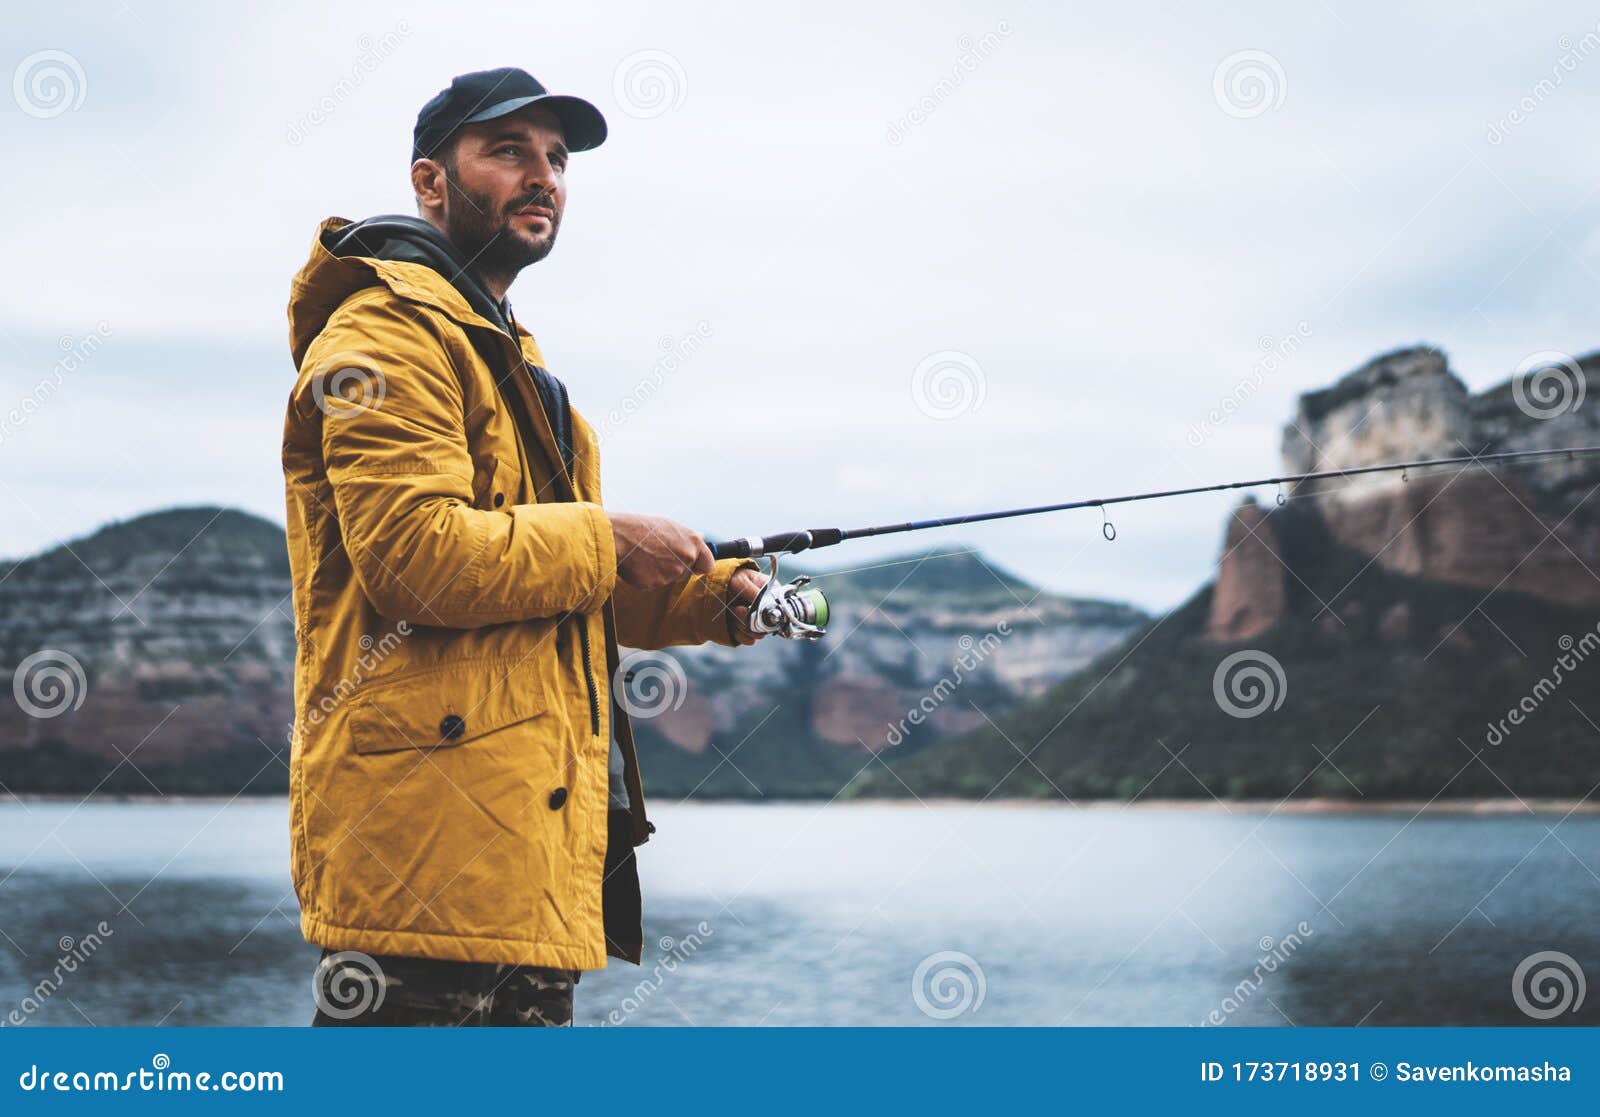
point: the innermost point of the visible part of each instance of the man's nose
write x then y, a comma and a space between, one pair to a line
542, 179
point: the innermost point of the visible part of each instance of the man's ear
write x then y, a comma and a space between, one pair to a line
428, 183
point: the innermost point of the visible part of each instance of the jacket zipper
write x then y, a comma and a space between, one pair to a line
560, 467
588, 675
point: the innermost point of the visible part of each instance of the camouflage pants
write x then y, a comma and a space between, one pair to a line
386, 990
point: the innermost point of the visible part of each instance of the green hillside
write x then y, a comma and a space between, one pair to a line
1399, 692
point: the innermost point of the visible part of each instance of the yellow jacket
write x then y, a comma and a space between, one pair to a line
457, 613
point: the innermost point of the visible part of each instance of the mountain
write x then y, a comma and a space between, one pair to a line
1378, 636
796, 718
1373, 637
156, 656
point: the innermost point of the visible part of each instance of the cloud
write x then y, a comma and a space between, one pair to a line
1075, 211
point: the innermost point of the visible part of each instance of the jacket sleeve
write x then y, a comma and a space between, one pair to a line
692, 611
395, 448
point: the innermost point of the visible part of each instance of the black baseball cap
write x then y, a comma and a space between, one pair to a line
489, 94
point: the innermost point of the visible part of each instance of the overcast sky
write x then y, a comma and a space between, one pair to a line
1104, 217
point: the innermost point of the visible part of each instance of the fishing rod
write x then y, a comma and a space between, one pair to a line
799, 611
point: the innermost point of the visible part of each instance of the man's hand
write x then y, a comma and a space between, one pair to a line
653, 551
742, 590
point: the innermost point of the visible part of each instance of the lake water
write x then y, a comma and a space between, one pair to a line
875, 914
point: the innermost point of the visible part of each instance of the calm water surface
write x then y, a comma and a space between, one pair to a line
867, 914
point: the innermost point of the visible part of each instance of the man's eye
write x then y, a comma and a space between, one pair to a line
508, 149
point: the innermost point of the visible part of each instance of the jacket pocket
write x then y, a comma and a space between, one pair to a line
497, 486
445, 706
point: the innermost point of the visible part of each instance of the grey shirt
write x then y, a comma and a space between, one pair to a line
619, 787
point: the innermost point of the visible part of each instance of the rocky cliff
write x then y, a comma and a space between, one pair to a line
156, 655
915, 647
1371, 637
1526, 529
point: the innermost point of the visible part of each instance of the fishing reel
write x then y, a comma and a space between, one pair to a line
796, 611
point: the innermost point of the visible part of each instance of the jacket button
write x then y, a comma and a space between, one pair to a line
499, 499
452, 727
558, 798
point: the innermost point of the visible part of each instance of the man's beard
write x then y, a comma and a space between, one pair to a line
486, 238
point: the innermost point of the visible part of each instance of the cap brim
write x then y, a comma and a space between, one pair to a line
582, 125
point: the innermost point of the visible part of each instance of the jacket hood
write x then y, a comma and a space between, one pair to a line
405, 253
418, 262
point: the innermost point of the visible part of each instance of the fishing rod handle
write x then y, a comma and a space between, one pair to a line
782, 543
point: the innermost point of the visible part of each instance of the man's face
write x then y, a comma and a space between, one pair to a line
507, 189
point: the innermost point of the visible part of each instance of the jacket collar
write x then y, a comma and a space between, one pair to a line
326, 280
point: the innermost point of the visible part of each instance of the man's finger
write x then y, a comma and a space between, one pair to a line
704, 563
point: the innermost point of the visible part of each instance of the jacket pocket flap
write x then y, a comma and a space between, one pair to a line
443, 706
507, 484
497, 485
